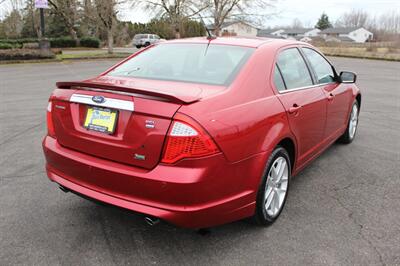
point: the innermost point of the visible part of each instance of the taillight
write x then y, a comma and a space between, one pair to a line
187, 139
50, 126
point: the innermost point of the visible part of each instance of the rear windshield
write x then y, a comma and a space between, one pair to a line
196, 63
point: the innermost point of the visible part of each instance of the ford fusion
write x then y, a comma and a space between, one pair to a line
199, 132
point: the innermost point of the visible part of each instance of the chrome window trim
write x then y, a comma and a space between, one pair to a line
304, 88
108, 103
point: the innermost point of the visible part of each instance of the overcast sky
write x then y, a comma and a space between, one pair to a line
308, 11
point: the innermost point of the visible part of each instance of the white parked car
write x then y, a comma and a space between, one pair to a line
143, 40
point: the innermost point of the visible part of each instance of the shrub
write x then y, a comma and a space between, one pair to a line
18, 42
23, 54
31, 45
90, 42
62, 42
6, 46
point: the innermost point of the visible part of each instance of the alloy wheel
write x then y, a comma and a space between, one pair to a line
353, 121
276, 187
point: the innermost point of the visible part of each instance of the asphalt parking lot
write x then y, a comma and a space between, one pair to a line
343, 209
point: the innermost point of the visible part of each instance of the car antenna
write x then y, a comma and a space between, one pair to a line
210, 36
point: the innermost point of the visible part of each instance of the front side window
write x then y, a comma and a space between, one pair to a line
323, 70
196, 63
294, 69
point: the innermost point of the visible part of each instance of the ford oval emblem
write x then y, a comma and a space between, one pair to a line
98, 99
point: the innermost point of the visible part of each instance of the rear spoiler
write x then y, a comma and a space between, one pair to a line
182, 99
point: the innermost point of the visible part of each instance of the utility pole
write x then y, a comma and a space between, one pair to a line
44, 44
41, 22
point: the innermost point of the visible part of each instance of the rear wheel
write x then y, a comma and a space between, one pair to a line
146, 44
273, 190
138, 46
350, 133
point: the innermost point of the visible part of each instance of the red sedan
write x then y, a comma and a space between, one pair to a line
200, 132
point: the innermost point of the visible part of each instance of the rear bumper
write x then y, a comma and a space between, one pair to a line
193, 193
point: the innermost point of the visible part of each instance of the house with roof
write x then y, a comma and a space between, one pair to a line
300, 33
271, 33
236, 28
349, 34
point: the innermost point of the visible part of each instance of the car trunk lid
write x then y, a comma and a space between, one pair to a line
143, 116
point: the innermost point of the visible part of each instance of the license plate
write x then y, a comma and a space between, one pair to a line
101, 119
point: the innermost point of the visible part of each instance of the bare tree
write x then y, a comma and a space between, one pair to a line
244, 10
390, 22
354, 18
175, 11
12, 4
106, 12
13, 22
296, 23
67, 10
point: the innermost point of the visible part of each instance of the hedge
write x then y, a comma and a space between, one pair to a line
18, 41
6, 46
90, 42
61, 42
23, 54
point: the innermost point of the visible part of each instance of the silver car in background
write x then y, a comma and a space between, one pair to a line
143, 40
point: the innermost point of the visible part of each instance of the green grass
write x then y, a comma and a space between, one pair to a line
87, 55
91, 55
356, 52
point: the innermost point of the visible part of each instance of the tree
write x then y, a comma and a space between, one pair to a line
106, 12
323, 22
390, 22
175, 11
13, 24
31, 24
89, 25
354, 18
67, 10
2, 32
296, 23
239, 10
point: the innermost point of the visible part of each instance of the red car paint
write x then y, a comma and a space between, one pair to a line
244, 120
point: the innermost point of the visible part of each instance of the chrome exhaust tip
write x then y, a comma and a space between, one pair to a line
151, 220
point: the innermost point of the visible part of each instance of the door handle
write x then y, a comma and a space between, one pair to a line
294, 109
331, 97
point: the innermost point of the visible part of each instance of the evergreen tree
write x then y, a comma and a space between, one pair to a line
323, 22
31, 23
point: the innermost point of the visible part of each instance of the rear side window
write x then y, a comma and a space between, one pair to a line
294, 69
323, 70
196, 63
279, 84
139, 36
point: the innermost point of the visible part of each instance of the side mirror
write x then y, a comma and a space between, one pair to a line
348, 77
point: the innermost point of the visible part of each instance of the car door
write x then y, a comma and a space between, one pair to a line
304, 102
337, 95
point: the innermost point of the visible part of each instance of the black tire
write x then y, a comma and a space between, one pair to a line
261, 217
138, 46
347, 137
146, 44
